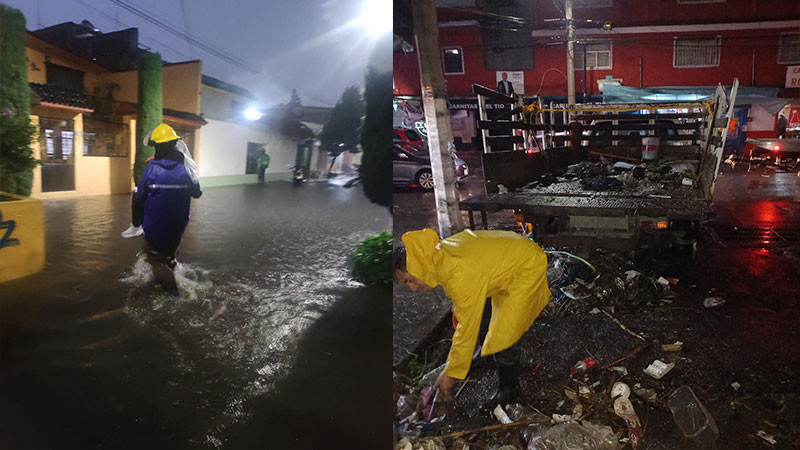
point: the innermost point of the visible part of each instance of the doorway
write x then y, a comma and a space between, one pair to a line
58, 155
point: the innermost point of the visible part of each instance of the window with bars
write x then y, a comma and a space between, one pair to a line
592, 3
696, 52
453, 58
105, 138
789, 48
598, 55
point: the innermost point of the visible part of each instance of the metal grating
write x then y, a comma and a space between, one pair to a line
759, 236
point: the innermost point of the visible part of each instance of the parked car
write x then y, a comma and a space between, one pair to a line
411, 166
409, 135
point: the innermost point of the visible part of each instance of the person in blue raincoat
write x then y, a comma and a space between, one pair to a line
160, 205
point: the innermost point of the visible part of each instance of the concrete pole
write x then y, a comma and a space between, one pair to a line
437, 116
570, 54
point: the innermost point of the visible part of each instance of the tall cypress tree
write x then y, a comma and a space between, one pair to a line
16, 131
376, 135
150, 108
344, 125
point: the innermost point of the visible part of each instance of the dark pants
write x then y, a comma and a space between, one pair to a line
163, 268
261, 174
508, 357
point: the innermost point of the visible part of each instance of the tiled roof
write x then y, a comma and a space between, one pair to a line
49, 93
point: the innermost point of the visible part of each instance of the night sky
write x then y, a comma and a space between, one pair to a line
318, 47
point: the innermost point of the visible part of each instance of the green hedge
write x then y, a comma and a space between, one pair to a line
16, 130
150, 108
372, 260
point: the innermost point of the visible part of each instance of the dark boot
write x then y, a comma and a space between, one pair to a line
163, 271
508, 386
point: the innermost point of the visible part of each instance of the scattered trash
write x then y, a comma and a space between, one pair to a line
672, 280
662, 281
431, 408
676, 347
631, 275
657, 369
581, 367
735, 385
536, 369
502, 189
575, 435
623, 165
646, 394
691, 416
594, 310
406, 404
501, 415
767, 437
627, 330
624, 409
711, 302
687, 181
622, 371
560, 418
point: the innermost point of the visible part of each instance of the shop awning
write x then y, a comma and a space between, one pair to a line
766, 97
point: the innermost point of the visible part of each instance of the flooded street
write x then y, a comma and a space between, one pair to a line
95, 355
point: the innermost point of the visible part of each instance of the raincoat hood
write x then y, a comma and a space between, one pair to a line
165, 163
422, 255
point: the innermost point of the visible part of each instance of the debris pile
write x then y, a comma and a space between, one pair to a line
673, 178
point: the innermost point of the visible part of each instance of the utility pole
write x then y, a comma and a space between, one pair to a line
570, 53
437, 116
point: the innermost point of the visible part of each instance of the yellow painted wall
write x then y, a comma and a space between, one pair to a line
27, 256
94, 175
37, 73
180, 84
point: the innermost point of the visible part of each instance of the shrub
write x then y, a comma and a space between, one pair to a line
372, 260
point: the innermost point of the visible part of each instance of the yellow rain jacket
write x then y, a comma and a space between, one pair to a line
474, 265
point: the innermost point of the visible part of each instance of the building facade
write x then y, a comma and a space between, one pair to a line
633, 43
84, 103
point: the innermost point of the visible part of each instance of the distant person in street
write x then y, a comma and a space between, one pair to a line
505, 86
263, 164
782, 123
161, 200
497, 280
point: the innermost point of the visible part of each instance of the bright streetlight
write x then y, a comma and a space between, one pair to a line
253, 114
377, 16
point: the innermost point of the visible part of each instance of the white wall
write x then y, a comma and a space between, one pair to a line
223, 149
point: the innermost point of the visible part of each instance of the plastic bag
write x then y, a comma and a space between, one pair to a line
575, 435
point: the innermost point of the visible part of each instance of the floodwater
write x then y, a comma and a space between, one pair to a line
95, 355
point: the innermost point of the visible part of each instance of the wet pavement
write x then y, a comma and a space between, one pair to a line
95, 355
751, 339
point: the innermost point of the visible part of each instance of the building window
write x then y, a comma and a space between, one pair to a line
64, 77
592, 3
696, 52
453, 60
789, 48
105, 138
598, 56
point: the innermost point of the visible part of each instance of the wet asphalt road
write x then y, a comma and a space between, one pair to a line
269, 343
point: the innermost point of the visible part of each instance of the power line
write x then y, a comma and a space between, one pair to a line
221, 54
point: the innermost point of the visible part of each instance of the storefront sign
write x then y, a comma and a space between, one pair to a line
793, 77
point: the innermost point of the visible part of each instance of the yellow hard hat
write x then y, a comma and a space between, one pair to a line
162, 133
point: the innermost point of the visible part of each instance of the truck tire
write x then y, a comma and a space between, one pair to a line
425, 179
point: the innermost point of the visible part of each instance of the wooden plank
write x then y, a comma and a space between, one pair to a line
492, 94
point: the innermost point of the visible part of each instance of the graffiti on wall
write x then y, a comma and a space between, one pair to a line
5, 238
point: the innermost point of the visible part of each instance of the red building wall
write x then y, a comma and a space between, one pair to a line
654, 49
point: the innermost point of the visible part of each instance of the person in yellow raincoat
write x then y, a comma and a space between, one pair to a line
473, 266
